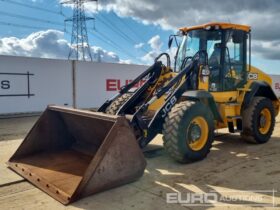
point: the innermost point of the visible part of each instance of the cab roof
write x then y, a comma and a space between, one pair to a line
220, 24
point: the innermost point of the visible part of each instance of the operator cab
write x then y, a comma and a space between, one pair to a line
226, 47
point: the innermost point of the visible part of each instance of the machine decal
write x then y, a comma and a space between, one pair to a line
252, 76
169, 106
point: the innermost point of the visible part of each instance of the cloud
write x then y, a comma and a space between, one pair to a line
156, 49
48, 44
267, 49
189, 12
262, 15
138, 46
149, 58
156, 45
128, 61
101, 55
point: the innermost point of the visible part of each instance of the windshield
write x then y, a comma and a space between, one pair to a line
198, 40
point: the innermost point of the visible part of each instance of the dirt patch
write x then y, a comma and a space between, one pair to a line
15, 128
232, 166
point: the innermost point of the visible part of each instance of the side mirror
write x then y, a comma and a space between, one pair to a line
170, 41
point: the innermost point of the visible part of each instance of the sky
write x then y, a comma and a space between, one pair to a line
126, 31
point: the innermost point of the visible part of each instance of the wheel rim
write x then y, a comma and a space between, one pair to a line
197, 133
264, 121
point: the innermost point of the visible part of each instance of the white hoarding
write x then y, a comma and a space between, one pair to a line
97, 82
276, 84
29, 84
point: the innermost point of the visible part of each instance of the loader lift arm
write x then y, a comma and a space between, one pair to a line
151, 129
153, 73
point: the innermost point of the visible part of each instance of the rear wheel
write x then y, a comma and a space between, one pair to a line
117, 104
258, 121
188, 131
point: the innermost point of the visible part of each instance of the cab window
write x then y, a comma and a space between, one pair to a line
235, 60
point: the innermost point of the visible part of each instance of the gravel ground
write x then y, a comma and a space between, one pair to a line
233, 166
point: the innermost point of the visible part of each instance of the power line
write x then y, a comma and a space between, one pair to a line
106, 39
30, 18
21, 25
49, 3
109, 41
116, 47
131, 29
114, 28
31, 6
117, 29
126, 24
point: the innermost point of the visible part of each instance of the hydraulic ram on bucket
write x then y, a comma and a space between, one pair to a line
71, 153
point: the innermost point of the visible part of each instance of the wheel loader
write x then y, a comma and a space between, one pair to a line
71, 153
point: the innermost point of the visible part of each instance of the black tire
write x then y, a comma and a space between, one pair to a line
176, 129
117, 103
251, 121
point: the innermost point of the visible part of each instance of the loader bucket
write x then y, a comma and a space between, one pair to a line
71, 154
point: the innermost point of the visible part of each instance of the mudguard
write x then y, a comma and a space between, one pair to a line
258, 88
205, 98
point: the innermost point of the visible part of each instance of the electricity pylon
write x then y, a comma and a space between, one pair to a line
80, 48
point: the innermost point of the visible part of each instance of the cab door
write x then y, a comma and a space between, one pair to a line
232, 68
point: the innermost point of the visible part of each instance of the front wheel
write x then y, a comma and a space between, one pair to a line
188, 131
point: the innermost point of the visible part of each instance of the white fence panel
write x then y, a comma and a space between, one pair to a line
30, 84
276, 84
96, 82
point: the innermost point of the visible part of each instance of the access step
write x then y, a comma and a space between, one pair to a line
231, 127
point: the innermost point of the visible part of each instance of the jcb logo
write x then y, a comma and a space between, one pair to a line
169, 106
252, 76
